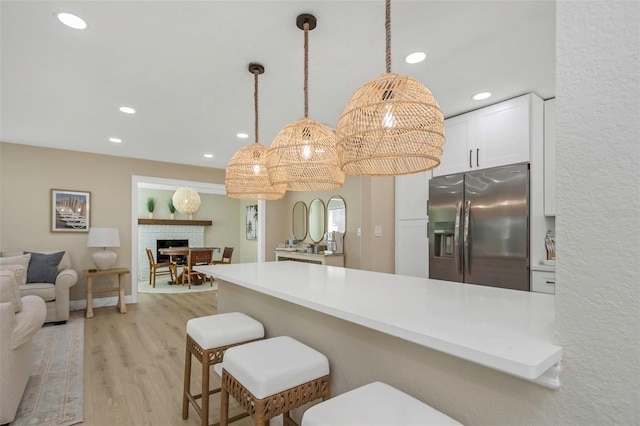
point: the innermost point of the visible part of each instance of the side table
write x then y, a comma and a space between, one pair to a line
90, 273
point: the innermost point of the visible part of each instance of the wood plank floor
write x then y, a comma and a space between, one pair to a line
134, 362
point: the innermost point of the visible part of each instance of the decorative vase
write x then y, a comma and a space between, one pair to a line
173, 216
150, 215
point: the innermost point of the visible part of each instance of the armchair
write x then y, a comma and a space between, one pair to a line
56, 295
20, 319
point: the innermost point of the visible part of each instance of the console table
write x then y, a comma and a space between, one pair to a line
321, 259
90, 273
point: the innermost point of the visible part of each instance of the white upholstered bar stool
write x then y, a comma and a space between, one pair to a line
375, 404
271, 377
207, 340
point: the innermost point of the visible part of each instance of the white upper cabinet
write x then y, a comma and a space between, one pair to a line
493, 136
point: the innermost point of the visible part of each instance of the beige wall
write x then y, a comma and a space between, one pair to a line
350, 192
27, 175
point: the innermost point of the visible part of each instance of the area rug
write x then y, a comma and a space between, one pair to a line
163, 286
53, 395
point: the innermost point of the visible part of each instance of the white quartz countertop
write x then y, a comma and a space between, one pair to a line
507, 330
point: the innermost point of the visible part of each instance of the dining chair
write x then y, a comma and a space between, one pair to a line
156, 269
226, 256
195, 258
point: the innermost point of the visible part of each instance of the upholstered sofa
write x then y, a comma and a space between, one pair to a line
54, 289
20, 319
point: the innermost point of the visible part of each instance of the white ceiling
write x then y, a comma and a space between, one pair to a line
183, 66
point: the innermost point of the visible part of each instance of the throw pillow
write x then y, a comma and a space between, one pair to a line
19, 272
43, 268
9, 291
22, 260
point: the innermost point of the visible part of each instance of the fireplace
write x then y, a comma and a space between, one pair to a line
160, 244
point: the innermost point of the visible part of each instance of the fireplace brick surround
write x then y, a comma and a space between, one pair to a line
149, 234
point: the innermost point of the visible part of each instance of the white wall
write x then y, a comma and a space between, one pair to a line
598, 212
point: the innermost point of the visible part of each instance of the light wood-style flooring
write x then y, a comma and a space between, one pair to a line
134, 362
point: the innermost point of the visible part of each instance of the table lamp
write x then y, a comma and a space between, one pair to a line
104, 237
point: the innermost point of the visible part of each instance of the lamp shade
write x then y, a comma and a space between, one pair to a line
303, 157
186, 200
103, 237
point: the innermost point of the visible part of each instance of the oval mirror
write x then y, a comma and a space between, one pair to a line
299, 221
336, 214
316, 220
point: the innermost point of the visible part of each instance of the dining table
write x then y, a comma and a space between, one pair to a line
172, 252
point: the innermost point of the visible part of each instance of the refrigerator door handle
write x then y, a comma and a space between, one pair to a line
456, 239
467, 209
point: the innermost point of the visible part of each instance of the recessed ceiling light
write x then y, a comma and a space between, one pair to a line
115, 140
208, 155
482, 96
242, 135
72, 21
128, 110
415, 57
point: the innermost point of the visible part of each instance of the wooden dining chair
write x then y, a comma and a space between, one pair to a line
195, 258
156, 269
226, 256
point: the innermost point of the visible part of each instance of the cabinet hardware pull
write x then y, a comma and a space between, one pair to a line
551, 282
470, 152
478, 157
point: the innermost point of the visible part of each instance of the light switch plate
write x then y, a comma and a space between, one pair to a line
378, 231
359, 232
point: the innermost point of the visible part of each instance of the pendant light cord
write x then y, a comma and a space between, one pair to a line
306, 69
255, 101
387, 26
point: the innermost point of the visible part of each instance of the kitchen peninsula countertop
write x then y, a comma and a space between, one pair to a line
506, 330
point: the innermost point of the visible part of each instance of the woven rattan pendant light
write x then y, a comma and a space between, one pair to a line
246, 175
391, 126
303, 154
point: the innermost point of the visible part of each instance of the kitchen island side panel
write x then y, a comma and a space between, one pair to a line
470, 393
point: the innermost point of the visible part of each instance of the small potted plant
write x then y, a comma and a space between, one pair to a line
172, 209
151, 205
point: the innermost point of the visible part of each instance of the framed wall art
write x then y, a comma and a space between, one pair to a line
70, 211
252, 222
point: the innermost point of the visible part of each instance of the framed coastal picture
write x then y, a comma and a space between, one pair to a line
252, 222
70, 210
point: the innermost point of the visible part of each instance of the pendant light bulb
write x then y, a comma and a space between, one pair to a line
246, 176
391, 126
303, 154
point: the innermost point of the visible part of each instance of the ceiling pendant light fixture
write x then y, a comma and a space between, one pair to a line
303, 154
391, 126
246, 175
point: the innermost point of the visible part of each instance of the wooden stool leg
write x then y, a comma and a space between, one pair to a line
187, 383
224, 407
204, 417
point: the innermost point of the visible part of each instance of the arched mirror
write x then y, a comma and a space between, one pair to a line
316, 220
336, 214
299, 221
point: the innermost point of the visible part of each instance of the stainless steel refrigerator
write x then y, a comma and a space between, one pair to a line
479, 227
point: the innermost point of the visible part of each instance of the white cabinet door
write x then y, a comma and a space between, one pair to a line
493, 136
502, 134
412, 193
459, 134
550, 157
412, 248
